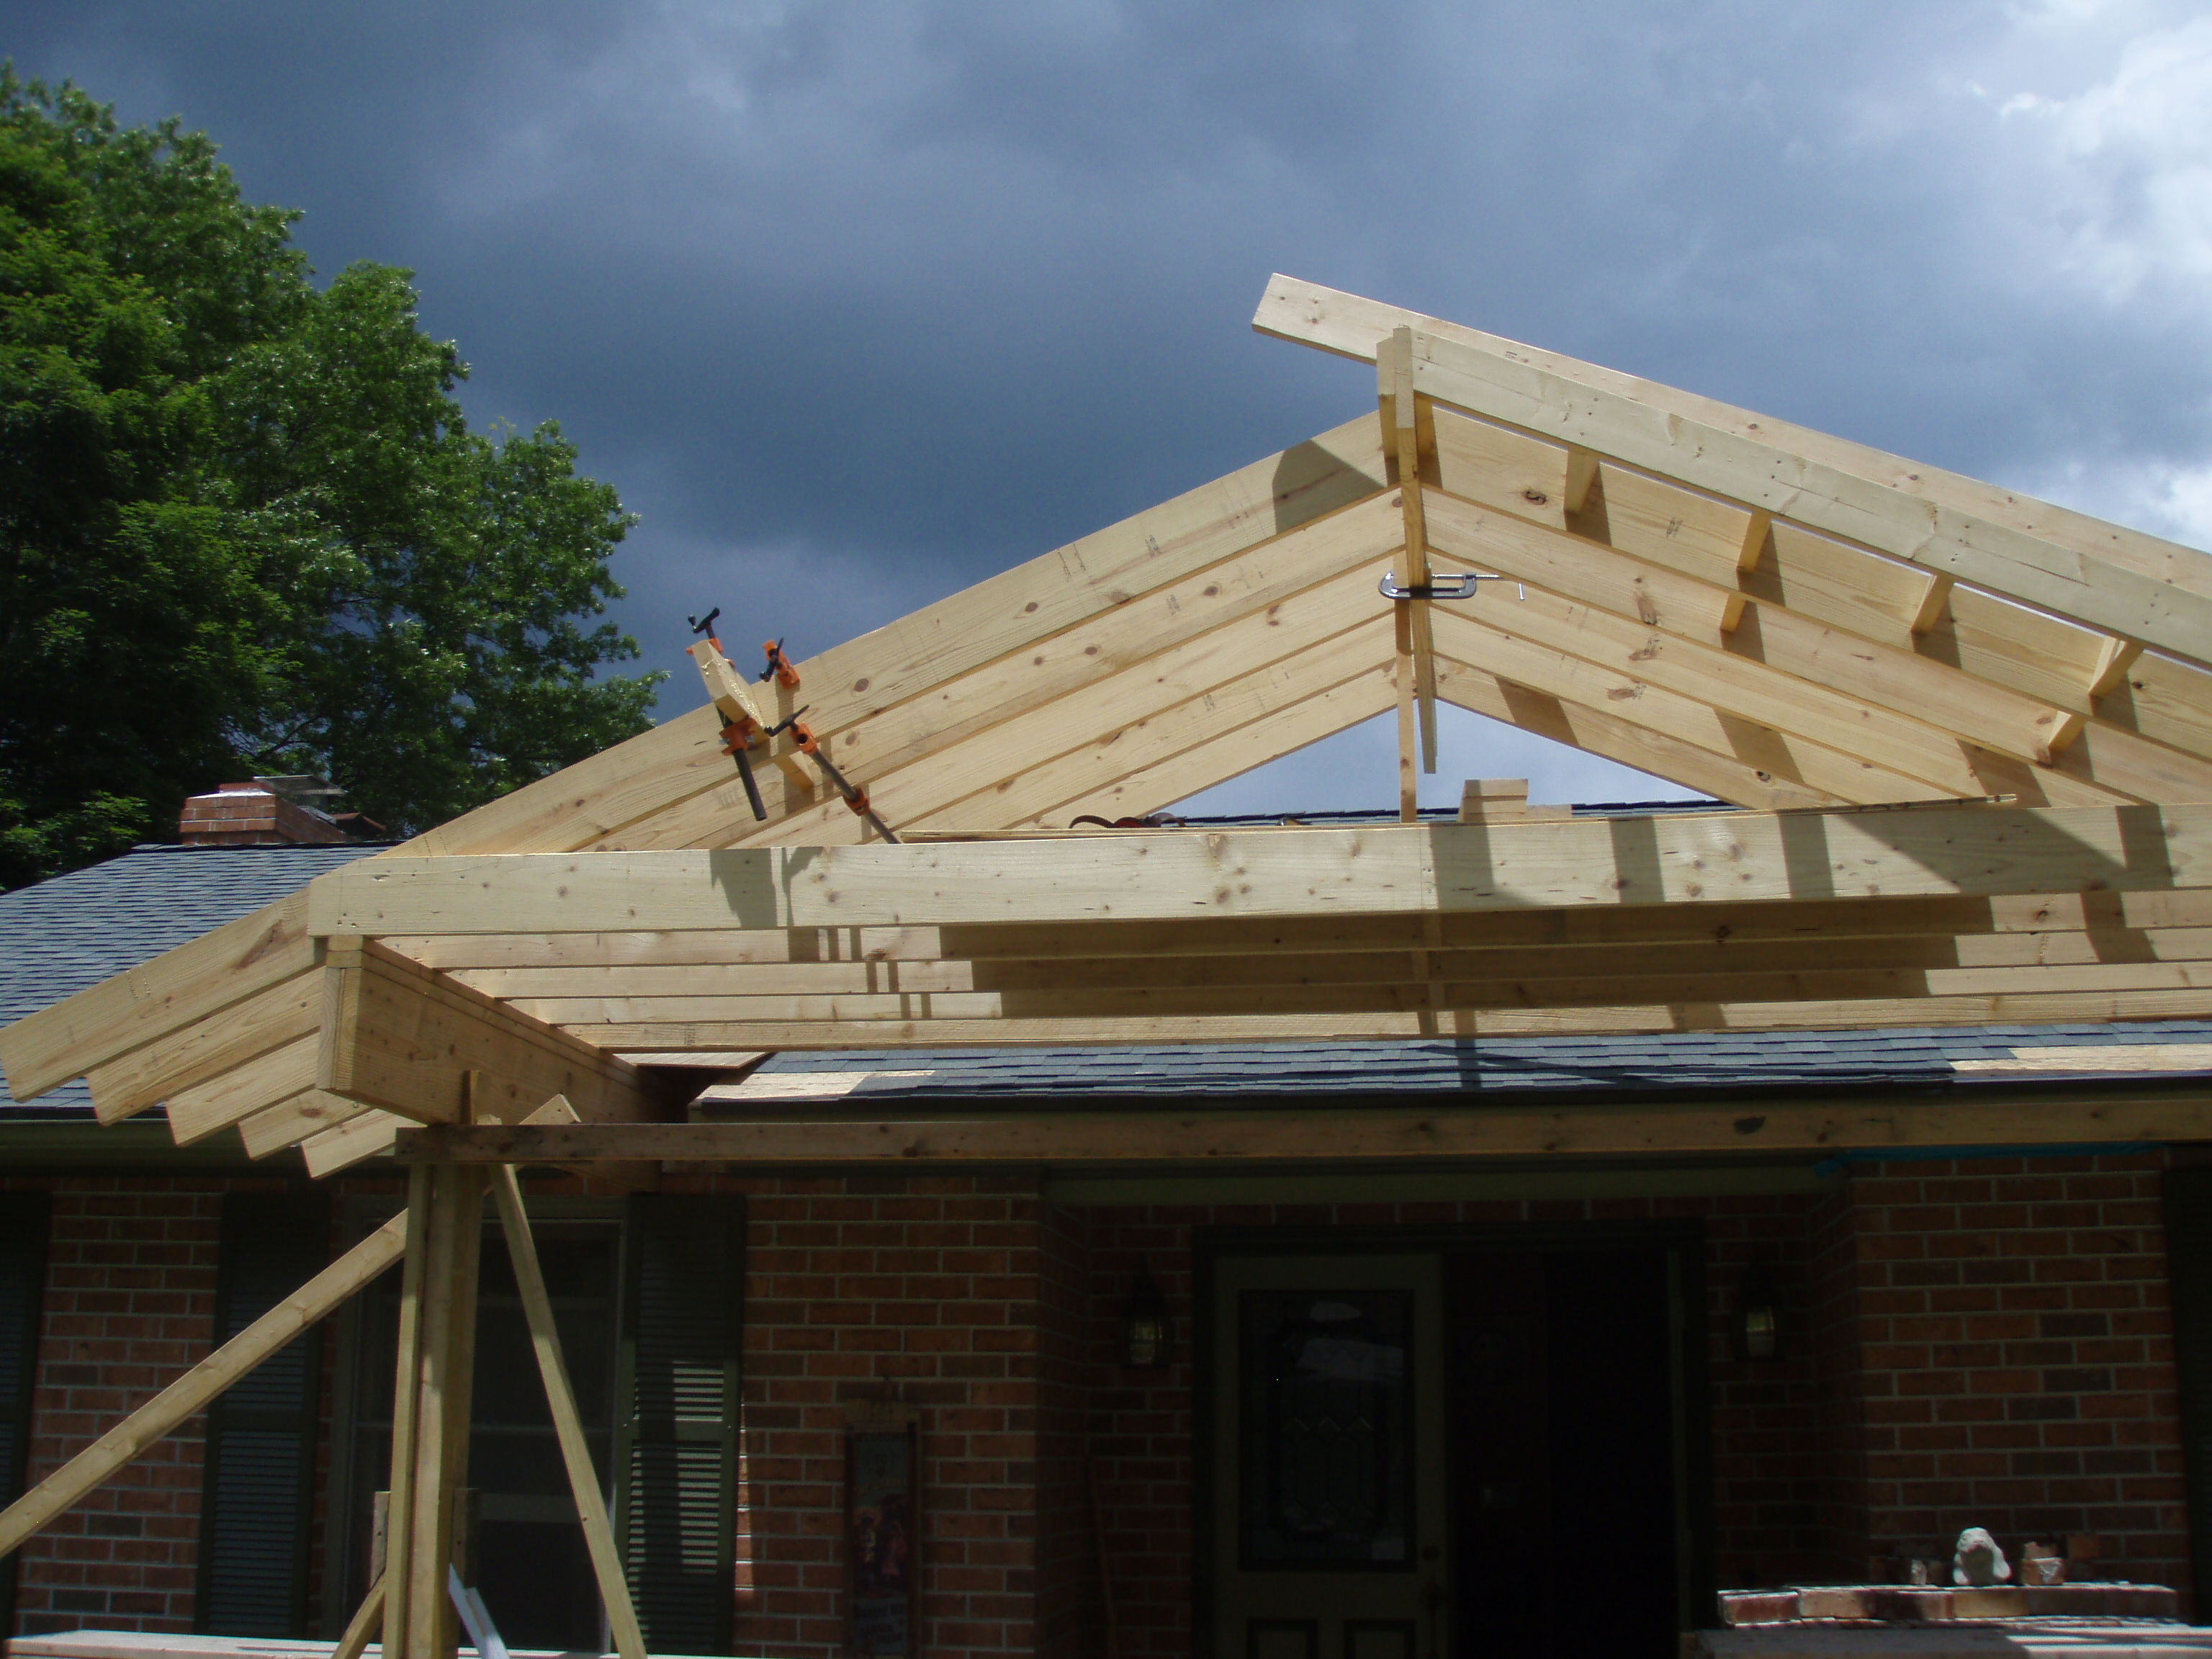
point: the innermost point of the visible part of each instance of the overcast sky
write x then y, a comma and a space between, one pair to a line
856, 303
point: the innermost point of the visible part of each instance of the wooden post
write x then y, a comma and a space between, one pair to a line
575, 1451
430, 1408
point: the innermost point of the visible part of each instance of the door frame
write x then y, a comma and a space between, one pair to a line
1682, 1241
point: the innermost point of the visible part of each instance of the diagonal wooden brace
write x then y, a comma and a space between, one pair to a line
192, 1392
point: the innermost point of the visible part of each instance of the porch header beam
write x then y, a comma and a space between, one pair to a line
1230, 1138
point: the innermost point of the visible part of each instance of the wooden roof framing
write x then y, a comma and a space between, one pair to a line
1973, 732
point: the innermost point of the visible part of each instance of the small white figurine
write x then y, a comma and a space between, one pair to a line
1978, 1560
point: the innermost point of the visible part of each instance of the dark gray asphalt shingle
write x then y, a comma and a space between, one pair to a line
60, 936
1667, 1061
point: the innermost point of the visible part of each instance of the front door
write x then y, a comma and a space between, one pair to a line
1329, 1499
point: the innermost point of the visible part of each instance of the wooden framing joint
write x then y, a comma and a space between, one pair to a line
1403, 418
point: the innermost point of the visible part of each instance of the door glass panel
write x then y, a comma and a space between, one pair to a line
1326, 1454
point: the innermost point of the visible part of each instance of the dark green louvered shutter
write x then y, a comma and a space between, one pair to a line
675, 1443
260, 1472
23, 1221
2189, 1274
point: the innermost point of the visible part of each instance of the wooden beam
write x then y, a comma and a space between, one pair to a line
568, 1426
403, 1039
502, 963
367, 1622
1492, 672
1176, 875
1019, 608
1178, 776
1194, 683
2024, 1008
1445, 1129
348, 1143
406, 1399
1431, 984
190, 1393
1781, 669
288, 1122
1416, 656
555, 992
441, 1385
1731, 684
204, 1049
253, 1086
109, 1019
2119, 580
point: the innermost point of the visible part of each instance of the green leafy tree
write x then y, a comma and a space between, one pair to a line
244, 525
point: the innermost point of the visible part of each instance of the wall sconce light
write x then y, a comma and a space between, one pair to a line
1145, 1324
1758, 1323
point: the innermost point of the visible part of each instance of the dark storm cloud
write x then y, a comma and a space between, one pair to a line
857, 303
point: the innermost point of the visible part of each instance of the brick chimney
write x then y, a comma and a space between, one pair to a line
266, 812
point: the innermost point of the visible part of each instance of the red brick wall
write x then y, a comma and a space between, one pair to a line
129, 1301
2012, 1345
929, 1289
1982, 1343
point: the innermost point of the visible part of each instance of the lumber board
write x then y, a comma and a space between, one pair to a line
1764, 780
288, 1122
877, 670
1731, 684
913, 757
1149, 713
1233, 753
2163, 599
2166, 700
400, 1510
1687, 529
1404, 990
236, 1095
1576, 567
348, 1144
107, 1020
1894, 677
2131, 584
1068, 782
2114, 923
2029, 1008
1525, 652
1495, 467
1440, 1130
1738, 856
368, 1621
405, 1039
191, 1392
973, 781
200, 1051
1845, 585
1458, 962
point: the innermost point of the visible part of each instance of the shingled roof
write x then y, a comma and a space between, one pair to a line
63, 935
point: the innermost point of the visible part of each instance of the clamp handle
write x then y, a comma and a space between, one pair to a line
779, 667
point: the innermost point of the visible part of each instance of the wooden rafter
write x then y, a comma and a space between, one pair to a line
2137, 587
1796, 625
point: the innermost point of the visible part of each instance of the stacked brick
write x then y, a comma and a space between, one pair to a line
2011, 1355
248, 814
129, 1302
